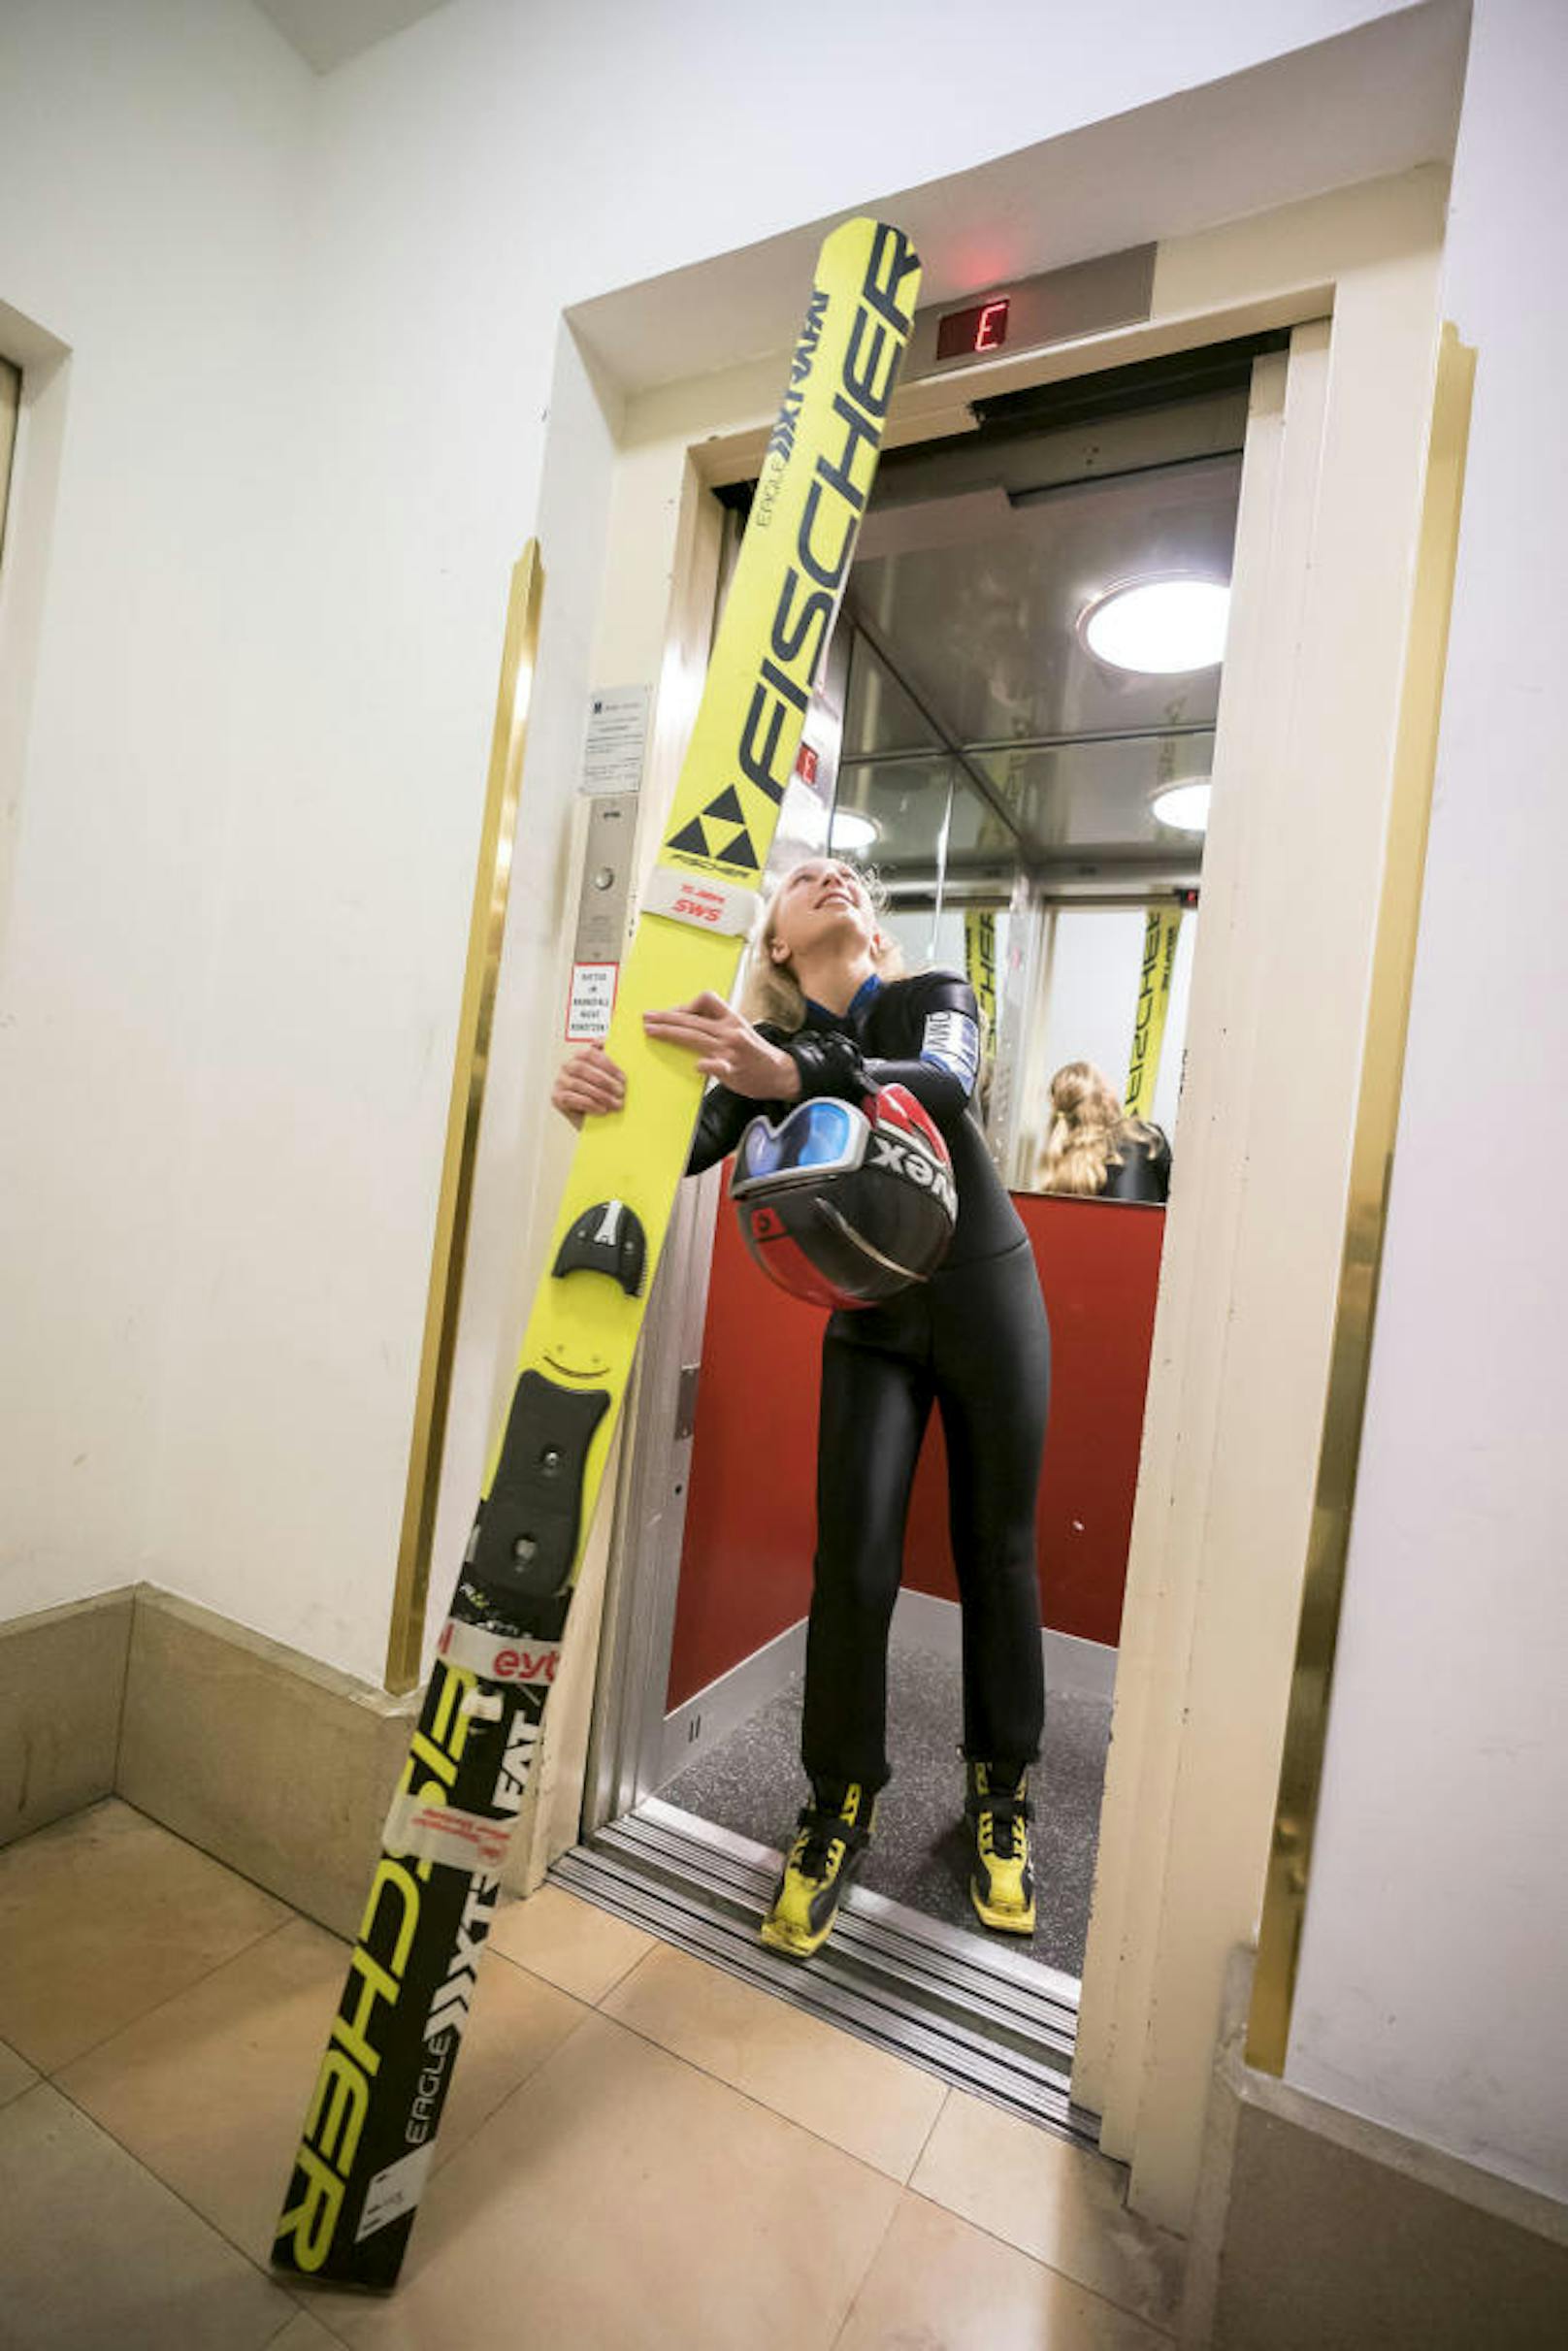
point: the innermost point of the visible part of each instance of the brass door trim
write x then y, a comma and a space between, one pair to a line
1377, 1115
486, 927
9, 411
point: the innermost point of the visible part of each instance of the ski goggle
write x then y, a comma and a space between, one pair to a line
820, 1138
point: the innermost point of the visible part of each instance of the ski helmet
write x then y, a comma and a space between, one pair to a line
845, 1204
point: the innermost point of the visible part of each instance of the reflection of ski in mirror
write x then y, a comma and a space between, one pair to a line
371, 2125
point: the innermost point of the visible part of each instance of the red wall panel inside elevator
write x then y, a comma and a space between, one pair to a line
746, 1563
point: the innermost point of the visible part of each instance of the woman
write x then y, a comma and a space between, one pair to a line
1094, 1149
974, 1340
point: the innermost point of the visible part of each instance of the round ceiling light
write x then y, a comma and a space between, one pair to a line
1158, 627
1185, 808
850, 833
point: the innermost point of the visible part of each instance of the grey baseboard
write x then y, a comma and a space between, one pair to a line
276, 1764
62, 1686
273, 1763
1315, 2227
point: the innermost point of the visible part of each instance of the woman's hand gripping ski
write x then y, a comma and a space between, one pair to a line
727, 1047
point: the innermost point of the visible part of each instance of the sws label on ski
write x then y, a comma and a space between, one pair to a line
526, 1536
721, 907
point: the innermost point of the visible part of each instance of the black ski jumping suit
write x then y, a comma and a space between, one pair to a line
974, 1340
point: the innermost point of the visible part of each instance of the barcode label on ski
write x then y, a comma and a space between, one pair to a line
498, 1656
952, 1041
393, 2192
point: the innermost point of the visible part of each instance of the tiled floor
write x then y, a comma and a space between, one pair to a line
639, 2151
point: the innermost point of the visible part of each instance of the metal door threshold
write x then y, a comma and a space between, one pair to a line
980, 2015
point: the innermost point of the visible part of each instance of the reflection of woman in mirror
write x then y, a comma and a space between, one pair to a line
834, 1016
1094, 1149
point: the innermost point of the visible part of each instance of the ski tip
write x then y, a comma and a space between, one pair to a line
866, 228
877, 263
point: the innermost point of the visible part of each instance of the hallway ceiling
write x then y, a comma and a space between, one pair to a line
1369, 104
329, 32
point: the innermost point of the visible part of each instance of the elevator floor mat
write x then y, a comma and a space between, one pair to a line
752, 1783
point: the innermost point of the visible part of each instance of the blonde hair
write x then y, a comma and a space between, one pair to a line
1088, 1128
771, 990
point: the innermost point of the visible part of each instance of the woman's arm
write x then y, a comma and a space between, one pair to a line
746, 1060
749, 1068
942, 1070
720, 1123
588, 1084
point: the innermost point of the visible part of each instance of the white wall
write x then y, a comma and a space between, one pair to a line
313, 327
1433, 1989
151, 180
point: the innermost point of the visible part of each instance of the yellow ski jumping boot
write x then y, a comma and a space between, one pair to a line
832, 1835
1001, 1882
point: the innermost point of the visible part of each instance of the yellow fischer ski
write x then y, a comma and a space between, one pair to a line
371, 2125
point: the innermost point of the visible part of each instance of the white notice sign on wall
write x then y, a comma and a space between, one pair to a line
593, 1000
616, 738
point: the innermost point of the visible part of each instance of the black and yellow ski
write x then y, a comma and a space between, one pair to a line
372, 2122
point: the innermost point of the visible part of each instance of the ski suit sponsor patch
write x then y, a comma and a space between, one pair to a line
952, 1040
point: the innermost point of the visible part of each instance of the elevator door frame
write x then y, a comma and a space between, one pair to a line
1308, 711
628, 1758
631, 1757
